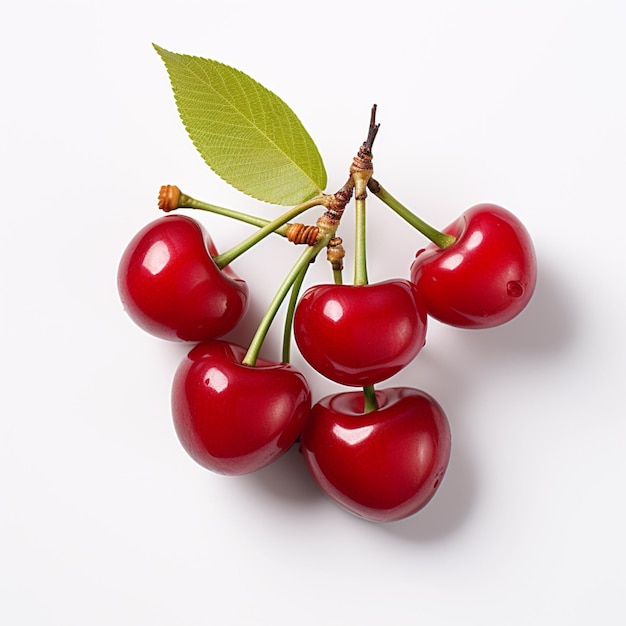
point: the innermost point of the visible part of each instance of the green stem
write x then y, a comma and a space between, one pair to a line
369, 399
222, 260
338, 277
299, 266
187, 202
293, 300
440, 239
360, 250
360, 278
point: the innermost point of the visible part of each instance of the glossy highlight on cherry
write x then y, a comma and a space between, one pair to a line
232, 418
384, 465
486, 278
359, 335
171, 287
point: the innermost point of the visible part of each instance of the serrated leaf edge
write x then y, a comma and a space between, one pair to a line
317, 188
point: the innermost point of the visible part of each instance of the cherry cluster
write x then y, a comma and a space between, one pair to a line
379, 453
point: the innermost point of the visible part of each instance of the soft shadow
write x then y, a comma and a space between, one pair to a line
243, 333
176, 351
288, 479
547, 325
448, 509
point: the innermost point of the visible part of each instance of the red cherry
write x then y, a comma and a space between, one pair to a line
233, 418
172, 288
358, 335
486, 277
383, 465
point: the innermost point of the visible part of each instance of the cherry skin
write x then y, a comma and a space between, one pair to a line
383, 465
358, 335
233, 418
171, 287
486, 277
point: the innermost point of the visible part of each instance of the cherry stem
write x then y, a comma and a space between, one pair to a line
298, 268
291, 308
369, 399
361, 172
187, 202
360, 250
338, 277
443, 240
223, 259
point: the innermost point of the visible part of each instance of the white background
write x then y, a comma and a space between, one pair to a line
105, 520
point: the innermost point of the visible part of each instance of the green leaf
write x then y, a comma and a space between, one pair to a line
244, 132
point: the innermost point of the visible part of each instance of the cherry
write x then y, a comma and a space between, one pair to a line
486, 277
383, 465
233, 418
171, 287
358, 335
